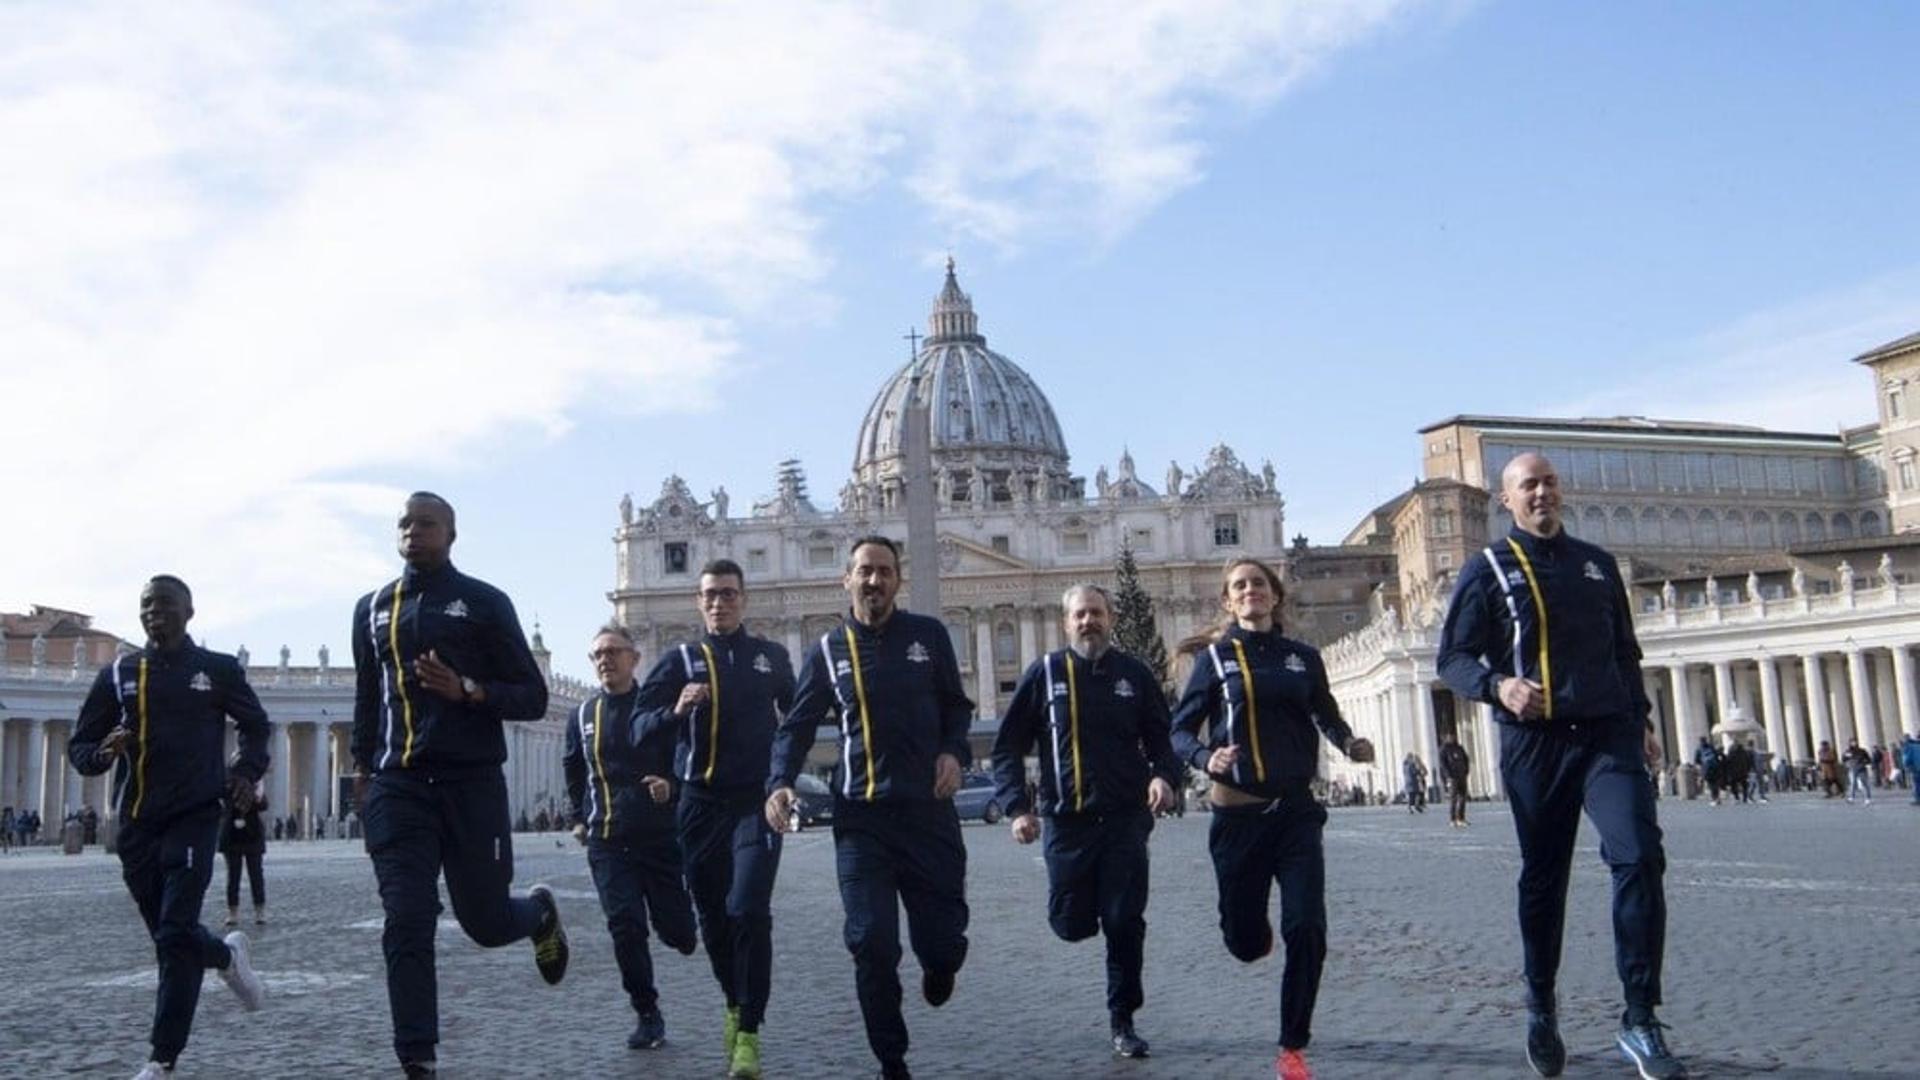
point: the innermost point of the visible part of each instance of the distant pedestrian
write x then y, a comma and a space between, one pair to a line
1736, 765
1910, 758
1859, 765
6, 830
1762, 776
243, 843
1829, 767
1413, 778
1708, 758
1454, 767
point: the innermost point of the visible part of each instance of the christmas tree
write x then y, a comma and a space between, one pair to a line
1134, 628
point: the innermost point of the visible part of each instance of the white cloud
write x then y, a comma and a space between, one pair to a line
1781, 368
255, 253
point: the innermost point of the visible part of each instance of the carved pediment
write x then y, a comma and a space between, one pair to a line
962, 556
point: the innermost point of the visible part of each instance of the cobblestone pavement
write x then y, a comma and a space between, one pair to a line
1790, 951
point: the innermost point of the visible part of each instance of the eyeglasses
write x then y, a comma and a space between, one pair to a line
727, 595
599, 654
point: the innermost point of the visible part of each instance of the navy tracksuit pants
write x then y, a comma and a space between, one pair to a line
732, 857
418, 827
637, 876
1097, 883
1254, 848
1551, 776
900, 852
167, 866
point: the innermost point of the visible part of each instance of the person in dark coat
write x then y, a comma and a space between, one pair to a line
243, 842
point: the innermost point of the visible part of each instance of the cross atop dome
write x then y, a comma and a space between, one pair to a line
952, 318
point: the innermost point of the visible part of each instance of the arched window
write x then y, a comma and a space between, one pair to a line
1650, 530
1733, 529
1706, 530
1788, 534
1870, 524
1679, 531
1622, 530
1594, 524
1760, 529
1816, 528
1006, 649
1842, 527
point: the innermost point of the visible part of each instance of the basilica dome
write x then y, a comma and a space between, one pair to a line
994, 435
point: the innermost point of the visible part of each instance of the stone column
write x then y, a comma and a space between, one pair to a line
71, 782
1799, 738
280, 770
983, 683
1486, 754
1814, 675
1863, 721
1886, 708
317, 770
1903, 689
1424, 735
1778, 740
8, 759
790, 633
1050, 628
1686, 723
33, 795
1029, 636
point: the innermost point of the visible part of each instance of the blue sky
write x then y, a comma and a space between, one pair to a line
277, 268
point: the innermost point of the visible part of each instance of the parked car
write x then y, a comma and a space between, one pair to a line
815, 800
974, 800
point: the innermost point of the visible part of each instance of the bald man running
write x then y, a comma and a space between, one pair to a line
1540, 629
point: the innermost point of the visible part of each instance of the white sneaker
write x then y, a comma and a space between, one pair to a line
153, 1071
240, 976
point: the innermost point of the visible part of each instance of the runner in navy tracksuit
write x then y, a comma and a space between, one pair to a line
1106, 768
160, 716
719, 699
1262, 696
891, 679
620, 790
1540, 629
441, 661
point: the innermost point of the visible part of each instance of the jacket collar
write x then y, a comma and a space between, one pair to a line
415, 579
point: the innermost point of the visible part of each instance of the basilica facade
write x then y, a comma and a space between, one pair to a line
1015, 523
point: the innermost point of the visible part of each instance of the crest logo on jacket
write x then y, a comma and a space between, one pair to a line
457, 610
200, 682
1592, 571
382, 617
1295, 664
1230, 667
918, 654
842, 667
1123, 689
1516, 579
761, 664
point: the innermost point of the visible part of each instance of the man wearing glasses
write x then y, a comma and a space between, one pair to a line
719, 699
621, 793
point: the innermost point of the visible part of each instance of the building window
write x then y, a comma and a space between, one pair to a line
1349, 617
756, 558
1005, 651
1444, 560
1894, 405
1226, 530
1075, 543
675, 557
1003, 545
1906, 470
819, 556
1442, 523
1006, 686
1142, 539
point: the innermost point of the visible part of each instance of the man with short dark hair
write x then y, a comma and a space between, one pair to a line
1540, 629
1107, 766
440, 662
718, 700
891, 678
1454, 766
620, 793
158, 717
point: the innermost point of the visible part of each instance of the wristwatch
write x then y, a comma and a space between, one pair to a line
470, 688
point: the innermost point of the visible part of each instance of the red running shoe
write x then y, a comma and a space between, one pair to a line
1292, 1065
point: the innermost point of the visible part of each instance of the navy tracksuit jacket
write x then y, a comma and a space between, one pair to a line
1555, 610
167, 787
1268, 695
631, 846
1102, 729
721, 752
896, 692
438, 800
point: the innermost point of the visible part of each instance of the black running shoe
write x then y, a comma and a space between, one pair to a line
549, 938
936, 987
419, 1070
650, 1032
1128, 1044
894, 1070
1647, 1049
1545, 1052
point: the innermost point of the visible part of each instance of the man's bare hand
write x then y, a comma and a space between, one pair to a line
115, 743
692, 696
1222, 760
360, 793
1160, 798
659, 788
1359, 751
1652, 749
580, 833
946, 776
1025, 828
780, 810
434, 674
1523, 698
